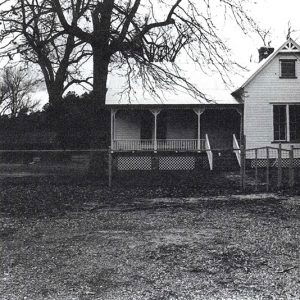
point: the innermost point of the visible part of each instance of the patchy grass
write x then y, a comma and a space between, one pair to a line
70, 240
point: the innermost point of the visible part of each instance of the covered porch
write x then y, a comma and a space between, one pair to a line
195, 128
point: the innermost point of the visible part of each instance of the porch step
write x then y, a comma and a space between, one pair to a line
225, 161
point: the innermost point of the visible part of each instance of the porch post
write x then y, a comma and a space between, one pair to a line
155, 112
199, 112
112, 128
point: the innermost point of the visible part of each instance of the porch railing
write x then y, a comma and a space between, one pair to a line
137, 144
236, 149
163, 145
179, 144
209, 152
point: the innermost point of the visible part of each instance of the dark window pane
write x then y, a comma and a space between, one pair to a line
294, 111
282, 135
279, 122
288, 69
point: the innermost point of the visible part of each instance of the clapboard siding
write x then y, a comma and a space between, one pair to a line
127, 125
260, 95
179, 125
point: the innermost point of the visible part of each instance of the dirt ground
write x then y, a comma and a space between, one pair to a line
83, 241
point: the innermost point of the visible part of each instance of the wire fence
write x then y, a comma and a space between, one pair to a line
18, 163
265, 168
270, 168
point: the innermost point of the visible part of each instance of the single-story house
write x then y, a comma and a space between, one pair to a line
265, 108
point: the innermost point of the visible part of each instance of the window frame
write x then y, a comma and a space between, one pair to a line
288, 122
288, 60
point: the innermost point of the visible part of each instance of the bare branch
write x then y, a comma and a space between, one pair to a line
16, 87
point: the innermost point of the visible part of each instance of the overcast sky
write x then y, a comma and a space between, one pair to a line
274, 15
270, 14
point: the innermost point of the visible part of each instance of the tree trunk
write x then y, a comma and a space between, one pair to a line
55, 92
101, 63
101, 121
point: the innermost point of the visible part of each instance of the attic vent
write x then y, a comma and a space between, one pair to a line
290, 47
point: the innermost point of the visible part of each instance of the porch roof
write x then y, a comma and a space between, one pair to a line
175, 106
215, 90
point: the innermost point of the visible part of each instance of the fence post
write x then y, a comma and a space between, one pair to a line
291, 168
109, 167
242, 172
256, 172
268, 170
279, 182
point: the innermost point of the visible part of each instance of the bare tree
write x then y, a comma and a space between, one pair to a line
32, 33
16, 88
142, 33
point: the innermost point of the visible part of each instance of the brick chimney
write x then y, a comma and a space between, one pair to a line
264, 52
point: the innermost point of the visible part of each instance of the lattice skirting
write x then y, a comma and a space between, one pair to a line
296, 163
262, 163
160, 163
127, 163
177, 163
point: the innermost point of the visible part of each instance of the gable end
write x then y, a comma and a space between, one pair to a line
288, 47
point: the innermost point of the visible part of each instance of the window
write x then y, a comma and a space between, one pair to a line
288, 68
286, 122
294, 111
279, 121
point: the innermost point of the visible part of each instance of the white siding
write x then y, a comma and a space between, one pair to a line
127, 125
264, 90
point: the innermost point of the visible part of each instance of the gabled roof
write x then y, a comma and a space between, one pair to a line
289, 46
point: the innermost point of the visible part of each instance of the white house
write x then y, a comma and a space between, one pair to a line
271, 98
265, 108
